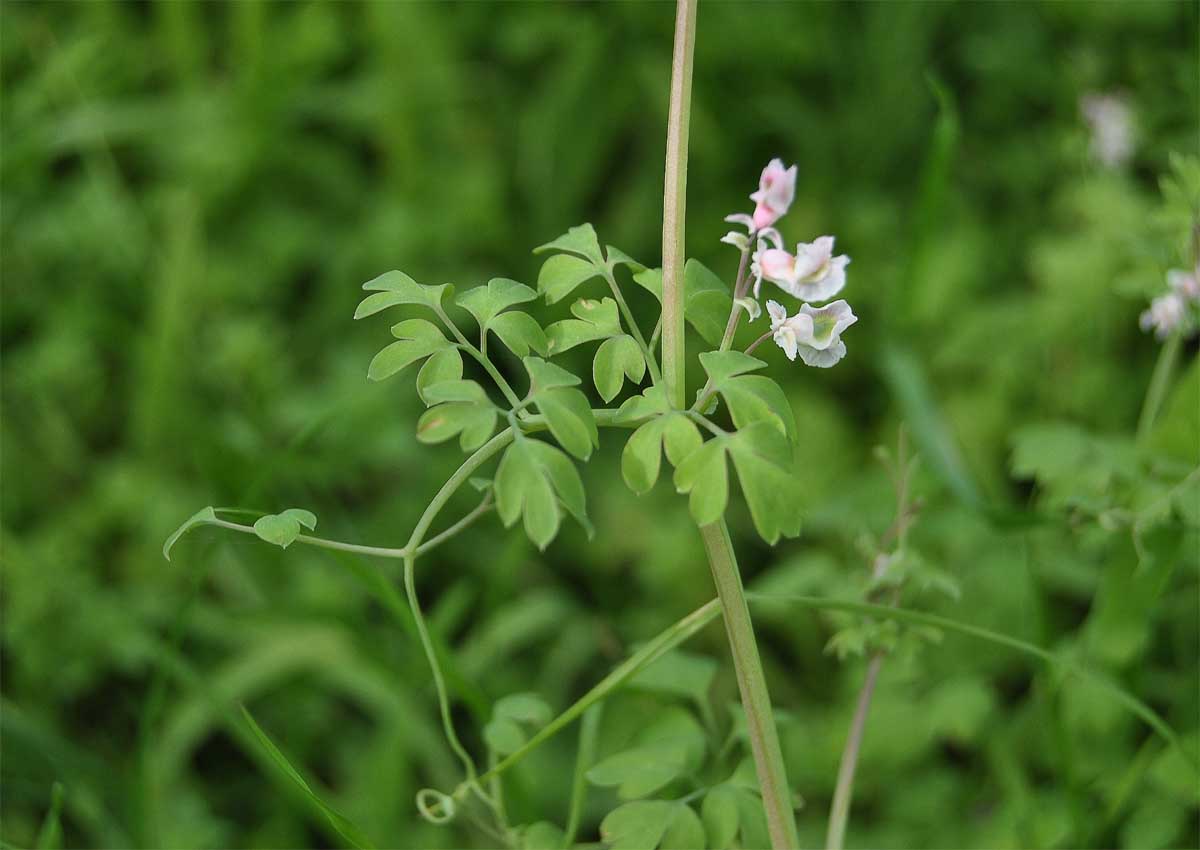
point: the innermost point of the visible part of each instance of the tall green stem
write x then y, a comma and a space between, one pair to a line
760, 718
675, 202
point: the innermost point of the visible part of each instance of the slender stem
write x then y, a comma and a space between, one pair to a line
437, 540
647, 354
750, 348
657, 332
760, 719
460, 476
589, 731
378, 551
839, 812
735, 315
650, 652
675, 202
735, 312
1160, 381
483, 359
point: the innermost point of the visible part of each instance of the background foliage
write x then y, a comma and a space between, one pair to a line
193, 195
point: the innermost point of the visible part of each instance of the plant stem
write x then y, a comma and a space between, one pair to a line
650, 652
839, 812
589, 731
480, 356
760, 719
675, 203
1160, 381
647, 354
378, 551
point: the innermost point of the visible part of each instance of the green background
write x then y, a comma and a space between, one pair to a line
192, 196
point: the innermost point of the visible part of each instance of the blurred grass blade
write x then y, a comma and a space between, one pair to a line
1131, 703
910, 388
341, 825
50, 836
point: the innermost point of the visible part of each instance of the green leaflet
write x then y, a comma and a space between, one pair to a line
580, 240
563, 273
671, 747
505, 733
567, 410
417, 339
763, 459
719, 811
642, 457
517, 330
520, 333
653, 825
395, 288
750, 398
594, 319
617, 357
532, 480
707, 301
204, 516
443, 365
487, 302
618, 257
283, 528
462, 408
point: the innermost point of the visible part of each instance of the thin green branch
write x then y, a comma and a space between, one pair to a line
662, 643
377, 551
905, 615
839, 810
480, 356
589, 732
647, 354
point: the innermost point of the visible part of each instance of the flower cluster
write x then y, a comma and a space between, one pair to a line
1173, 310
811, 274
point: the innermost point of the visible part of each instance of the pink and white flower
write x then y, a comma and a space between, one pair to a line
776, 191
815, 333
811, 274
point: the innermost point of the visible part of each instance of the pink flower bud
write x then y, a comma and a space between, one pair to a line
776, 189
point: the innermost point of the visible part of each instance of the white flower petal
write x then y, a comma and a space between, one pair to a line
824, 358
777, 312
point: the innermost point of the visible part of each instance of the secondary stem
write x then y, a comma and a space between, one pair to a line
752, 684
647, 354
839, 812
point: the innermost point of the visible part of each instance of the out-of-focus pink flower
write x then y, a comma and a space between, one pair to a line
1111, 122
1166, 313
776, 189
811, 274
1185, 284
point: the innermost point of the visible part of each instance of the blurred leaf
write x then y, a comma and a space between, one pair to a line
343, 827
